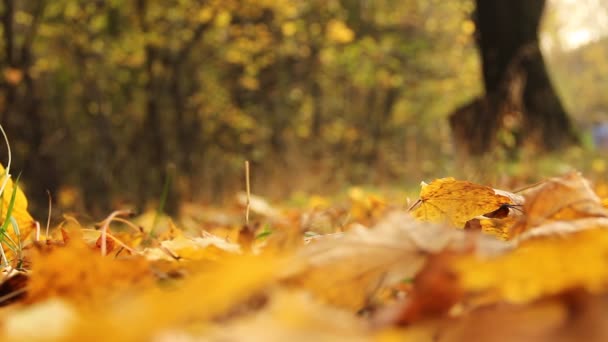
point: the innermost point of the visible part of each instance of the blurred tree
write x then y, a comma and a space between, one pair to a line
21, 113
101, 97
517, 86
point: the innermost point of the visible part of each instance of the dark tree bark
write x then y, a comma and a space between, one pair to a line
150, 142
515, 81
187, 122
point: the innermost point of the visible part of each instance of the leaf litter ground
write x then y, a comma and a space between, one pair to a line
466, 262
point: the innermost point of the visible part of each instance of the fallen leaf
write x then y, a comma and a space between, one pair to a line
49, 320
499, 227
456, 202
507, 322
563, 228
569, 317
436, 290
539, 267
208, 247
109, 243
365, 206
212, 291
24, 220
13, 286
79, 273
563, 198
260, 206
348, 269
294, 316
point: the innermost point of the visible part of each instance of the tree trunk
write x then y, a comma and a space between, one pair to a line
154, 147
10, 89
150, 141
515, 81
21, 114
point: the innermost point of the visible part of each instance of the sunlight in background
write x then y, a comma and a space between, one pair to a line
576, 38
576, 22
573, 39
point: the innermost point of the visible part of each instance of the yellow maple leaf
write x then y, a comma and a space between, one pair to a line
19, 212
456, 202
499, 227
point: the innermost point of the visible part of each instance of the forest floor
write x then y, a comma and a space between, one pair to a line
459, 261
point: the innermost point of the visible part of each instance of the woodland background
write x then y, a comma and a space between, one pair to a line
104, 102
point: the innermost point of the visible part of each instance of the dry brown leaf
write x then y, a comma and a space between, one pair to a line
569, 197
208, 247
570, 317
260, 206
436, 290
294, 316
456, 202
348, 269
563, 228
12, 286
506, 323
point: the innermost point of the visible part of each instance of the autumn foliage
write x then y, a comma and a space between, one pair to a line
464, 262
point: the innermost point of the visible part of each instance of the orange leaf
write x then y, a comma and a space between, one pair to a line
436, 290
110, 244
77, 272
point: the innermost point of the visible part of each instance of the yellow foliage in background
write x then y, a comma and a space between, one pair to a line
339, 32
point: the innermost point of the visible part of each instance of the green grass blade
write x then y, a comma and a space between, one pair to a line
163, 197
4, 237
11, 205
